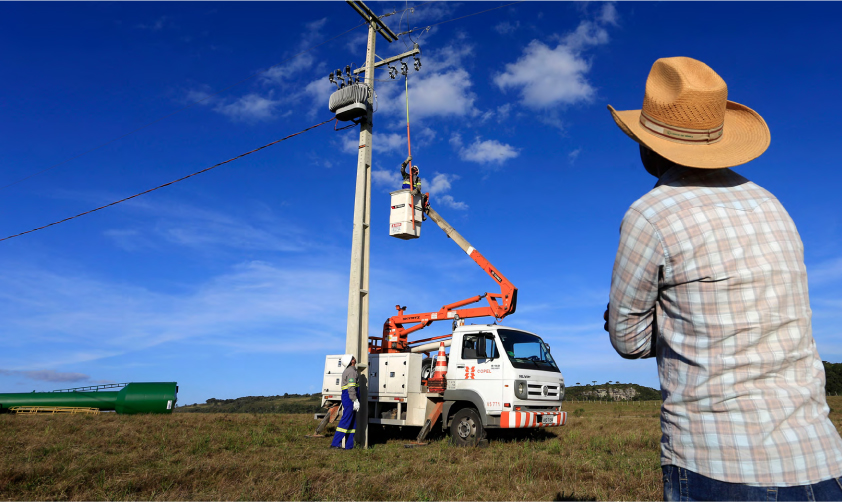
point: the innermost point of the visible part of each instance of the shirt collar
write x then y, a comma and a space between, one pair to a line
674, 174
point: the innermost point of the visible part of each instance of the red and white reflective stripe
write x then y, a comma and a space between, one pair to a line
681, 134
530, 419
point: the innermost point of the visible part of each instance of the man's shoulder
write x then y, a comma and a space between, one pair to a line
722, 188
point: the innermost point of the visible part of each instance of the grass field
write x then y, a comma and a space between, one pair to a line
605, 452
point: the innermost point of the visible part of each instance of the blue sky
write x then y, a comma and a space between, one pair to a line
235, 282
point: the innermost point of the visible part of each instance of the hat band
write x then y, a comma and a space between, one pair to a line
681, 134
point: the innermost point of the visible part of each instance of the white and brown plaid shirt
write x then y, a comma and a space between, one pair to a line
710, 278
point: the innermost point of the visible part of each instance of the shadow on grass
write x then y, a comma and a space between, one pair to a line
519, 435
378, 434
572, 496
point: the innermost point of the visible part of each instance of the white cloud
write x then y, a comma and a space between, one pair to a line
157, 25
547, 77
449, 201
572, 156
391, 179
358, 42
48, 375
438, 188
506, 27
283, 74
198, 95
77, 318
484, 152
203, 229
381, 142
825, 272
249, 108
609, 14
441, 89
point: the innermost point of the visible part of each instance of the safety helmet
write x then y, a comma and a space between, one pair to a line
414, 170
346, 360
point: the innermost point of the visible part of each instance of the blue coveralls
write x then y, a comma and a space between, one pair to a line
348, 423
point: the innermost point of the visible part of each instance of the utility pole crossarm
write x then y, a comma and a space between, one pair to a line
369, 17
414, 52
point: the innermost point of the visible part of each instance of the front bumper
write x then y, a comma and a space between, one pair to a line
531, 419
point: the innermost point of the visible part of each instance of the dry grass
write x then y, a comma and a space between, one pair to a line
610, 452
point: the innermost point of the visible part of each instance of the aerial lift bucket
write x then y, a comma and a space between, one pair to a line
406, 216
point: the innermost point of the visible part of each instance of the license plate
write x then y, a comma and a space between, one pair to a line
547, 419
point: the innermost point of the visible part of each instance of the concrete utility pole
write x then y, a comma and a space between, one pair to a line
356, 341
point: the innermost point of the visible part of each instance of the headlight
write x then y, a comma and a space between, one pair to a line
561, 393
520, 389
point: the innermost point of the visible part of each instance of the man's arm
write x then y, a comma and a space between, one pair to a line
634, 288
352, 386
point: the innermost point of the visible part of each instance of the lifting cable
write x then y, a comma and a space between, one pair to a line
171, 182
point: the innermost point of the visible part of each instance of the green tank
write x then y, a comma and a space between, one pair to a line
138, 397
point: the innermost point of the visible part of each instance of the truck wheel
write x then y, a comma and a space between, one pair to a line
426, 369
466, 428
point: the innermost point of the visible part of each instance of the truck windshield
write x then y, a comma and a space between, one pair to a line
526, 351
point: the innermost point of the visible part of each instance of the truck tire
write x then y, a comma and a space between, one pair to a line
427, 368
466, 428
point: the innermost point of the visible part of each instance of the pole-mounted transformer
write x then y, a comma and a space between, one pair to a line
350, 101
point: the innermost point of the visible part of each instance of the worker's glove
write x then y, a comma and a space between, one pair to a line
356, 405
407, 161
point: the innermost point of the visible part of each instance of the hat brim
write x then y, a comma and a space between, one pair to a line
745, 136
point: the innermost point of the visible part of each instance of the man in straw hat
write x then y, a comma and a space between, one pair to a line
710, 279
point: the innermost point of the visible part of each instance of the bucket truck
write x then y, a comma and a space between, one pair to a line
494, 376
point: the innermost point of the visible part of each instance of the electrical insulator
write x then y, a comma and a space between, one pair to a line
393, 72
332, 80
404, 68
348, 70
340, 78
417, 64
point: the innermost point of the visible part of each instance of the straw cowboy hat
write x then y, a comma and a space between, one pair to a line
687, 118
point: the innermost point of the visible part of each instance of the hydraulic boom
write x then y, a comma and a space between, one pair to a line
499, 304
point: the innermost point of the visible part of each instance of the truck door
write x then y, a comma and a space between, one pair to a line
483, 371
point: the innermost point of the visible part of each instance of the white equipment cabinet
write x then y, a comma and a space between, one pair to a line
405, 208
394, 389
332, 383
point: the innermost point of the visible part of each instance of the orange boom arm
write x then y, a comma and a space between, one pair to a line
499, 304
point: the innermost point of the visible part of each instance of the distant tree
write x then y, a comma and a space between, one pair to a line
833, 375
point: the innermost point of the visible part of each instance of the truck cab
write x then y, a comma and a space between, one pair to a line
507, 375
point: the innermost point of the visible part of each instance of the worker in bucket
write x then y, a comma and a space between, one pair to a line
407, 180
344, 436
710, 279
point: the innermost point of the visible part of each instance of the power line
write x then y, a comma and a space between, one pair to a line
170, 183
181, 109
462, 17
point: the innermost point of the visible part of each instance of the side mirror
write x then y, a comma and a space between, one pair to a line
481, 354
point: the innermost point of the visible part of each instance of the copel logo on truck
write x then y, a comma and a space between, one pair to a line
469, 372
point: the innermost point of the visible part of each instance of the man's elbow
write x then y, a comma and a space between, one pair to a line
632, 345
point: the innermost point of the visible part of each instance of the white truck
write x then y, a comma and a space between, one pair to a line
496, 377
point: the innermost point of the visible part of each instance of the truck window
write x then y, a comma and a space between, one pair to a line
480, 346
526, 350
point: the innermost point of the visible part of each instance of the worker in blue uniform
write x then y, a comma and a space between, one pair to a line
350, 405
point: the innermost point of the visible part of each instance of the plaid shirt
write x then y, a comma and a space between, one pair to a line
710, 278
